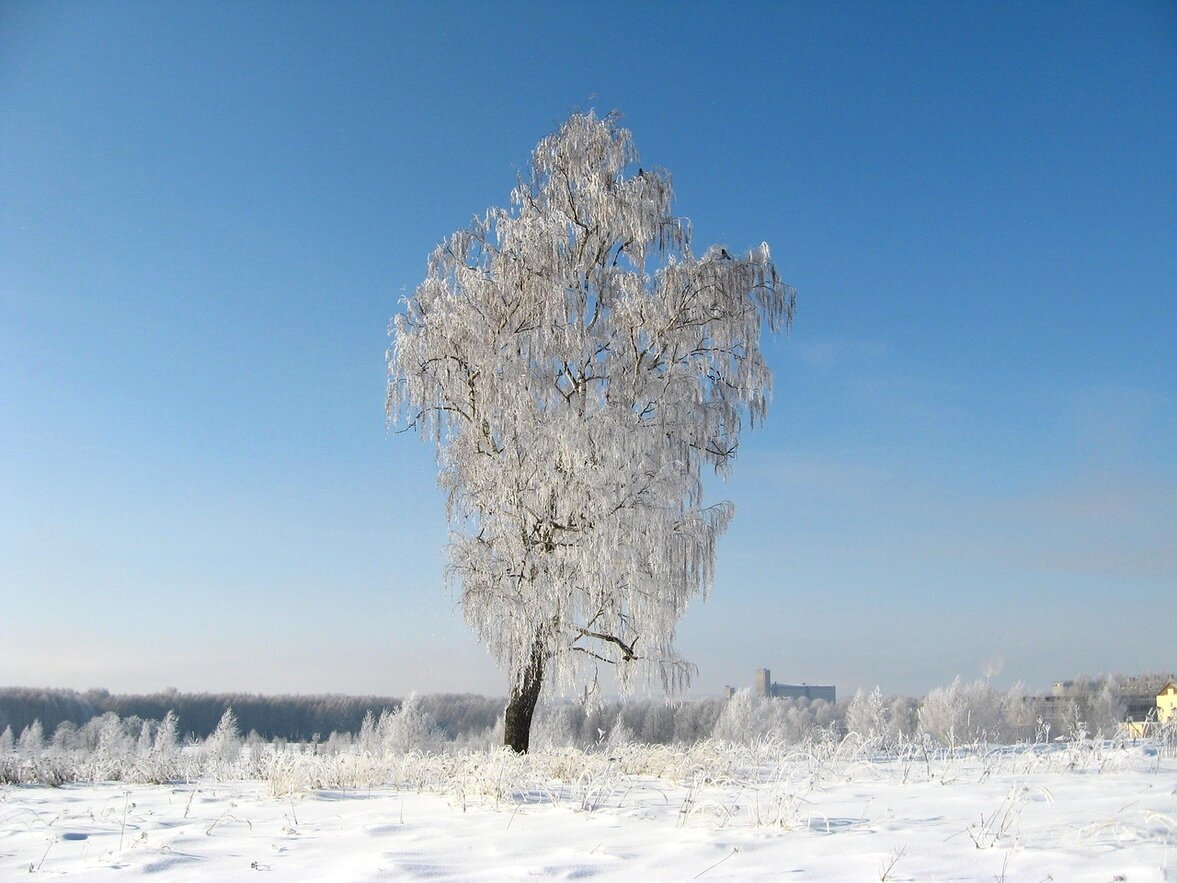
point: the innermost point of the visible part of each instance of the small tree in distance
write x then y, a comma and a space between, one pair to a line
576, 366
223, 745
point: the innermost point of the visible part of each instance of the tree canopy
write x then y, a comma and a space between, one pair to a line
577, 367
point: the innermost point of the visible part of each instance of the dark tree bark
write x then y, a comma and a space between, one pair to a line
521, 704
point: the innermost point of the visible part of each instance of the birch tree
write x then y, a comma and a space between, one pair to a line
577, 367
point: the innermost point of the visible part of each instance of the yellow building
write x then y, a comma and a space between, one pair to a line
1167, 703
1166, 710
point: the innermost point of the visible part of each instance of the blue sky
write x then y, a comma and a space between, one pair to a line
208, 213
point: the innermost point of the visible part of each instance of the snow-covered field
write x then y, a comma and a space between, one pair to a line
1088, 812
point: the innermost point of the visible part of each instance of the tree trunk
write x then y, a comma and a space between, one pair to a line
521, 705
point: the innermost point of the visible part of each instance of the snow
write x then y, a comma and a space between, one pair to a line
1097, 813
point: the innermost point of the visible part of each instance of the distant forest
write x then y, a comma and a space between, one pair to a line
467, 719
297, 718
462, 718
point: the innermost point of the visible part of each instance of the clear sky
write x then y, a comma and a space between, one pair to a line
208, 213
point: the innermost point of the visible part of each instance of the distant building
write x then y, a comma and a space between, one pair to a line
1069, 705
1145, 714
763, 686
1167, 703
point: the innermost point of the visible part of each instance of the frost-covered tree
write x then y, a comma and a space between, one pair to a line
1020, 717
113, 739
577, 366
658, 724
167, 735
109, 759
65, 736
552, 726
742, 718
869, 717
32, 738
964, 713
146, 739
223, 746
696, 720
368, 740
158, 750
409, 727
1108, 708
905, 715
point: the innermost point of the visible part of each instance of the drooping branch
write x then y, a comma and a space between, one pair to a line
627, 651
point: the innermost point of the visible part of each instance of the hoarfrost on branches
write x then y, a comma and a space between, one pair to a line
224, 744
577, 367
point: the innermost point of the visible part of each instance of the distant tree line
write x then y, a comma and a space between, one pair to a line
76, 716
955, 714
297, 718
21, 706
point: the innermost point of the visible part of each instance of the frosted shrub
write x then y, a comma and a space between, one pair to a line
32, 738
807, 720
409, 727
658, 725
166, 736
40, 769
694, 721
963, 714
905, 716
870, 718
143, 743
942, 715
161, 760
111, 758
1020, 718
740, 719
223, 746
747, 718
368, 739
66, 737
297, 772
552, 726
1107, 707
337, 742
1166, 738
621, 734
484, 740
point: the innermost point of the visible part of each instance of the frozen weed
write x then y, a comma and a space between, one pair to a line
989, 832
887, 868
